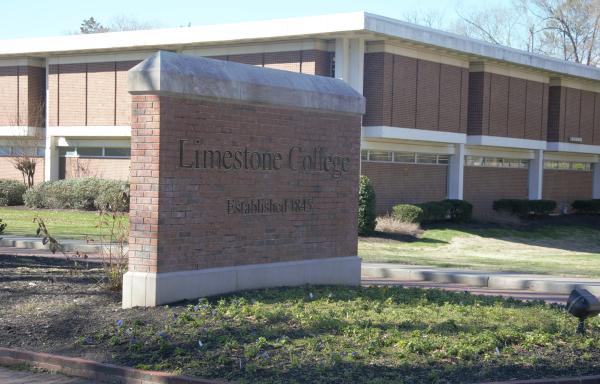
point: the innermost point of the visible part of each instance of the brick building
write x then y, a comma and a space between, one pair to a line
446, 116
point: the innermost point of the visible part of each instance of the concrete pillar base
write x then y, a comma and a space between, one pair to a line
456, 173
596, 181
152, 289
536, 175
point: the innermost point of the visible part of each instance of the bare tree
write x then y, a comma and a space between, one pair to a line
508, 26
127, 23
24, 148
569, 29
431, 19
117, 24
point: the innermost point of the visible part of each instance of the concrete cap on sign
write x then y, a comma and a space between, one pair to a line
172, 74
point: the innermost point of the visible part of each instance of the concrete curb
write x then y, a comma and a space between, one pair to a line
99, 372
492, 280
564, 380
108, 373
35, 243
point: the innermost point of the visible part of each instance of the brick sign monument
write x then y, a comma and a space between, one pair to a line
241, 178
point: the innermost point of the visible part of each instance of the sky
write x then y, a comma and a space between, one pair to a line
59, 17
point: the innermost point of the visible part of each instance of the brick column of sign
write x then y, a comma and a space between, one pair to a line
143, 213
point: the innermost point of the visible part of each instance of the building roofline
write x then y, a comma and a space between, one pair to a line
436, 38
312, 26
165, 37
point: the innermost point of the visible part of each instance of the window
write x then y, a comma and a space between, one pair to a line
67, 152
40, 151
89, 151
568, 165
403, 157
117, 152
496, 162
120, 152
380, 156
4, 151
426, 158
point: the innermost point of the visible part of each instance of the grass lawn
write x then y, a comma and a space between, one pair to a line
296, 335
568, 250
66, 224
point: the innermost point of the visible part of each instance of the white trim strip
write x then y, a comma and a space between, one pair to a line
172, 37
571, 147
21, 131
571, 157
90, 131
26, 62
509, 142
387, 132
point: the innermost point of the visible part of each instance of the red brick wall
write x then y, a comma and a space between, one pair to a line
413, 93
507, 106
22, 91
9, 95
405, 183
182, 214
565, 186
483, 185
105, 168
8, 171
96, 93
574, 113
89, 94
313, 62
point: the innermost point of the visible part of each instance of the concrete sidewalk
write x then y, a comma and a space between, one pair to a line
35, 243
470, 278
8, 376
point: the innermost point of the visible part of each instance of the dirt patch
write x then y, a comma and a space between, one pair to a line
300, 335
46, 305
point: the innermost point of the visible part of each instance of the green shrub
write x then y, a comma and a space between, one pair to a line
408, 213
589, 207
434, 211
366, 207
11, 192
87, 194
459, 211
525, 208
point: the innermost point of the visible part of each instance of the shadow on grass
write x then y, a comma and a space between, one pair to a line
407, 238
575, 233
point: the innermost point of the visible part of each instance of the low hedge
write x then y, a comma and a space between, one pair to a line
434, 211
11, 192
459, 211
589, 207
525, 208
88, 194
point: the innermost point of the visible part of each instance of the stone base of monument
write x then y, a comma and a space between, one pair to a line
241, 178
151, 289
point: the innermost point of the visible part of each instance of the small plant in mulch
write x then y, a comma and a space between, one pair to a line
54, 245
114, 247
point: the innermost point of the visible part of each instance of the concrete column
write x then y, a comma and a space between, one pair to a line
456, 172
596, 182
536, 175
51, 159
350, 61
